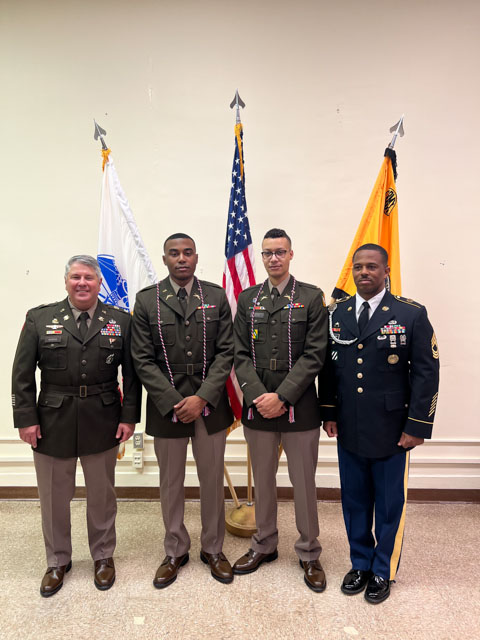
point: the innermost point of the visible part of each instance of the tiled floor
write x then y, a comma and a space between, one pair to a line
436, 597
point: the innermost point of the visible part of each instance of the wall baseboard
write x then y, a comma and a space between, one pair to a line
283, 493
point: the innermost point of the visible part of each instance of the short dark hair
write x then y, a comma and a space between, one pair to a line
278, 233
370, 246
175, 236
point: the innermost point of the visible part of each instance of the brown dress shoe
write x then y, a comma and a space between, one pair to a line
53, 579
252, 560
168, 570
104, 575
314, 575
220, 567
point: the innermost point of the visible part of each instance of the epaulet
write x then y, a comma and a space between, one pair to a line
211, 284
408, 301
150, 286
44, 306
339, 300
117, 308
307, 285
333, 305
254, 286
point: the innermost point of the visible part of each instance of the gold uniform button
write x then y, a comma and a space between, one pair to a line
360, 346
360, 389
360, 360
359, 375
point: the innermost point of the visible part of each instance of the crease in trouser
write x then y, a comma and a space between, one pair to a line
56, 488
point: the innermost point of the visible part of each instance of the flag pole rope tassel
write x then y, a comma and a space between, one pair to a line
105, 154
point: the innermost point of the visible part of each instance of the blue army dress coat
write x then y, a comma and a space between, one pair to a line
183, 337
383, 381
308, 335
79, 405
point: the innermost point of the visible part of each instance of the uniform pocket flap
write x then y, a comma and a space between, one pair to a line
50, 400
109, 397
396, 400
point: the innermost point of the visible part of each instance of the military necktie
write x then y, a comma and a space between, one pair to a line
182, 298
363, 317
275, 294
83, 326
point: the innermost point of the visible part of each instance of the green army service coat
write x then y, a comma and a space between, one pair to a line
308, 339
183, 339
79, 405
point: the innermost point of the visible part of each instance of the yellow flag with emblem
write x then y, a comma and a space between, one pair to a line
379, 225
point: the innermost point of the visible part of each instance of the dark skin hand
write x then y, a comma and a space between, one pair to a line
190, 408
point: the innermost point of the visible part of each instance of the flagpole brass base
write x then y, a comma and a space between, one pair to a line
240, 521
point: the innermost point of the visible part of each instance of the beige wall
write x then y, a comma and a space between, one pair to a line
323, 82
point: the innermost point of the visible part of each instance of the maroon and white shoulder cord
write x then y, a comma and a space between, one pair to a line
206, 410
291, 411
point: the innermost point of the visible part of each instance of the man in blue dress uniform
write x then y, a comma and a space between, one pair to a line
378, 395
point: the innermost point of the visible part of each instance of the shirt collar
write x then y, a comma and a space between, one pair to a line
373, 302
76, 312
280, 287
176, 287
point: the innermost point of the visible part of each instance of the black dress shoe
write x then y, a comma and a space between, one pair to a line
252, 560
378, 589
220, 568
314, 575
168, 570
355, 581
104, 573
53, 579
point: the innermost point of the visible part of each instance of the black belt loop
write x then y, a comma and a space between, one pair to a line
83, 391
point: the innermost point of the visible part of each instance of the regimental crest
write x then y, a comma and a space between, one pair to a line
390, 201
114, 288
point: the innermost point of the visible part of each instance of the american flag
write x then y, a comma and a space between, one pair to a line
238, 272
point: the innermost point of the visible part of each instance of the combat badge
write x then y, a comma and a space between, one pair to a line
110, 358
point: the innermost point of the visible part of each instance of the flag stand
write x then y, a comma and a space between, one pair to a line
240, 521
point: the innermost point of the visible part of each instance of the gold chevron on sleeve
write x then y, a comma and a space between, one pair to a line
433, 406
435, 353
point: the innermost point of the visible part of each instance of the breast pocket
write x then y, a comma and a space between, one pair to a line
110, 353
260, 325
298, 324
53, 352
391, 354
167, 324
211, 323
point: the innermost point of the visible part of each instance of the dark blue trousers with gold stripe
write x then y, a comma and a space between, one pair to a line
374, 486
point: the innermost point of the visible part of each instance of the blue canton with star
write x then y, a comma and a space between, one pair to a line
238, 228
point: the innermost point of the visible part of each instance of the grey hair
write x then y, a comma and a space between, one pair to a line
87, 260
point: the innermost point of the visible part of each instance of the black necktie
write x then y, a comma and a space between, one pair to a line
182, 298
83, 326
275, 294
363, 317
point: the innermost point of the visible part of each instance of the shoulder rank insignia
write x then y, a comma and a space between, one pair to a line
408, 301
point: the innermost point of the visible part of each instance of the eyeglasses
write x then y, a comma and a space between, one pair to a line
279, 253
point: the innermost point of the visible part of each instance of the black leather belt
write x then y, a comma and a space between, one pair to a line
82, 391
189, 369
273, 364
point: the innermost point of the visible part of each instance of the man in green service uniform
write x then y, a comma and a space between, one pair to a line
280, 343
78, 344
182, 347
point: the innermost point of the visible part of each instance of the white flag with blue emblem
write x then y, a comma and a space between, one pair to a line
124, 261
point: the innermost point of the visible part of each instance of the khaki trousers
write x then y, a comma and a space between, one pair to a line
208, 451
301, 449
56, 487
